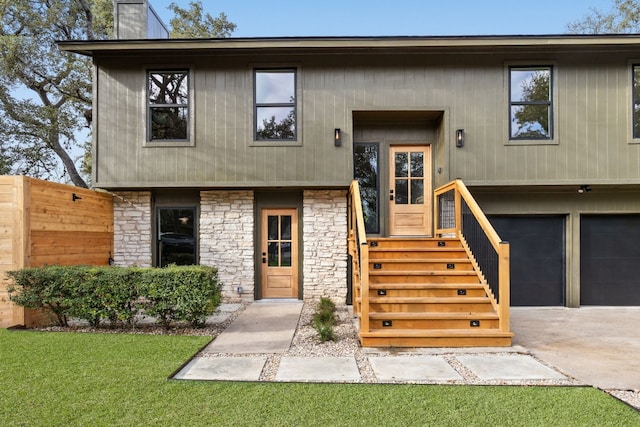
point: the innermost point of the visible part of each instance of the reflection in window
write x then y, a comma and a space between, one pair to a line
530, 106
409, 178
365, 165
176, 236
636, 101
168, 103
279, 240
275, 104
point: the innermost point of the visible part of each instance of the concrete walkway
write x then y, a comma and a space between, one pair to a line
259, 338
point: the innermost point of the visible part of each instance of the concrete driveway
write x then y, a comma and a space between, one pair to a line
598, 346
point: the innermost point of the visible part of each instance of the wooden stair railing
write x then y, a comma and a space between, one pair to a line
458, 214
359, 255
428, 292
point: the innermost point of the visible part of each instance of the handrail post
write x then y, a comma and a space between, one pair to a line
504, 285
364, 287
458, 209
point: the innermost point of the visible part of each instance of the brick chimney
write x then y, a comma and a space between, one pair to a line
136, 19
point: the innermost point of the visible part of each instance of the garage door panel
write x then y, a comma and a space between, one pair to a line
537, 258
610, 260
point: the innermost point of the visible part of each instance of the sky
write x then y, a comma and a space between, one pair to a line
298, 18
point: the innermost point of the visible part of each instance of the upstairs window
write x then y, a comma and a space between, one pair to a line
530, 103
168, 105
636, 101
275, 105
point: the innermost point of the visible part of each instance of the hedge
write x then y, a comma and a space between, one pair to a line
118, 294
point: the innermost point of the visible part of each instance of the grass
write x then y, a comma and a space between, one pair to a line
76, 379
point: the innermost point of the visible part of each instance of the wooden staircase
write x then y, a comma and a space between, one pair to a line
426, 292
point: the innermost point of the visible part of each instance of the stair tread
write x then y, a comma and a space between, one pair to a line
423, 272
425, 286
402, 315
414, 260
473, 332
417, 249
430, 300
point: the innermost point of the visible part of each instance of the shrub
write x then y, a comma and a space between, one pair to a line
324, 319
186, 293
43, 288
117, 294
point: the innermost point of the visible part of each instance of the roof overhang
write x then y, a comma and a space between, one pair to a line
434, 44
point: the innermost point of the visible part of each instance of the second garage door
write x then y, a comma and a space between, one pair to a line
610, 260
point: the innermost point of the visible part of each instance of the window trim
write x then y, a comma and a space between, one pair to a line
297, 105
189, 141
552, 103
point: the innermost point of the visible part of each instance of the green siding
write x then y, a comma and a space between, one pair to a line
592, 131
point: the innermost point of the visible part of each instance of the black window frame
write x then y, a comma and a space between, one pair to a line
548, 103
293, 105
635, 100
151, 106
372, 227
158, 232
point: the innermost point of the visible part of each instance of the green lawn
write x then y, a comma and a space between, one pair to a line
76, 379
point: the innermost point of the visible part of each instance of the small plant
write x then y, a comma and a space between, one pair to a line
324, 319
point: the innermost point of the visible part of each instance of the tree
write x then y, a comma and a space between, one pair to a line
191, 24
624, 17
45, 94
274, 129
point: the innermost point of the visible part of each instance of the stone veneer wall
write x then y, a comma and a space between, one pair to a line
325, 244
226, 239
132, 228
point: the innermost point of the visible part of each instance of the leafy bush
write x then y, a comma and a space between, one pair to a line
117, 294
175, 293
324, 319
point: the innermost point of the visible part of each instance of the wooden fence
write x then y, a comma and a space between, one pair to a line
45, 223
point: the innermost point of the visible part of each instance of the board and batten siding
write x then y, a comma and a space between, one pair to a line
592, 127
40, 224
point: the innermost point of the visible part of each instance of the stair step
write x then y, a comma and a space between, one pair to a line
382, 272
429, 300
432, 316
400, 286
412, 253
435, 333
410, 265
435, 338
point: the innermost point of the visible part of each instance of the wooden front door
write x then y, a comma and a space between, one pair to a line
279, 253
410, 190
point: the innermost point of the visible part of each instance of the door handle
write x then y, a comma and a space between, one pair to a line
264, 257
391, 195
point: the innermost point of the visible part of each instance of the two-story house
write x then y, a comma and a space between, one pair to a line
239, 152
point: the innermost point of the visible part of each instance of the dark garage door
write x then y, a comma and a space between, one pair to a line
537, 258
610, 260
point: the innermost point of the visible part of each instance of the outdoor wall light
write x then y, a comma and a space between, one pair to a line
239, 290
460, 138
584, 189
337, 137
